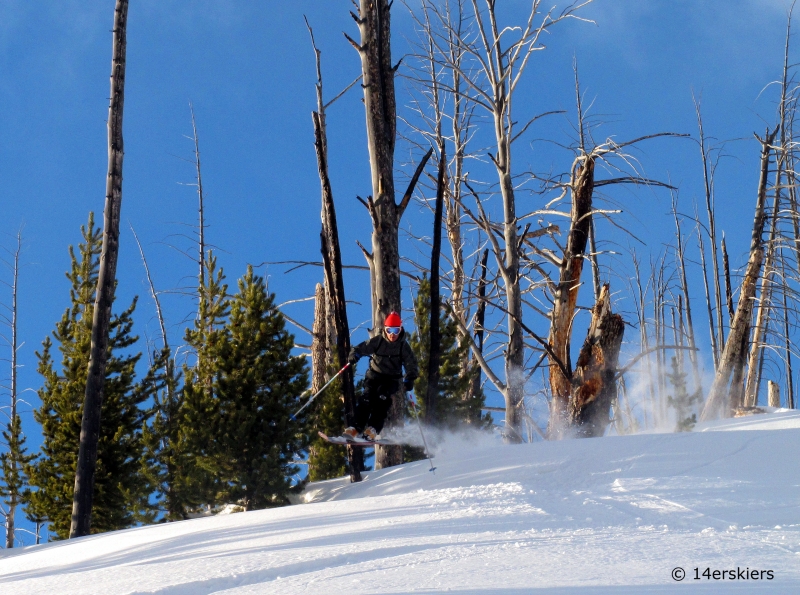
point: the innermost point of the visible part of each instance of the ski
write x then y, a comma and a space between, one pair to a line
345, 442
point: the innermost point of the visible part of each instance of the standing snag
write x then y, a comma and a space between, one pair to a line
106, 280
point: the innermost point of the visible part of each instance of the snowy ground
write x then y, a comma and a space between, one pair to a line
609, 515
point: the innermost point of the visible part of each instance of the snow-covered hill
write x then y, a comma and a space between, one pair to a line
609, 515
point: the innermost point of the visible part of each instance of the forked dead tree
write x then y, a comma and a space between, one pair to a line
491, 67
378, 71
90, 425
336, 308
724, 393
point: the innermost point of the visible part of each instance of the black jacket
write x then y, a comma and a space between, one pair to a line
389, 357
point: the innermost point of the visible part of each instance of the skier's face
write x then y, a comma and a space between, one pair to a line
391, 332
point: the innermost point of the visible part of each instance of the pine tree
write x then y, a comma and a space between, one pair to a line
13, 463
164, 460
326, 460
682, 401
258, 385
455, 406
121, 489
197, 483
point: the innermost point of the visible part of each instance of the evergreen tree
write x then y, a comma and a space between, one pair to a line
682, 401
165, 461
121, 490
326, 460
197, 482
258, 384
13, 463
455, 406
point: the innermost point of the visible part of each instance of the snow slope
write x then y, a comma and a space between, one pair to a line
608, 515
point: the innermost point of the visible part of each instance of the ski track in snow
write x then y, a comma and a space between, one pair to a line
609, 515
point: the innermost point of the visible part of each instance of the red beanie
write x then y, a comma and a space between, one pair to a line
393, 320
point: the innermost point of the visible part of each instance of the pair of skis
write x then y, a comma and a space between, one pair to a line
341, 440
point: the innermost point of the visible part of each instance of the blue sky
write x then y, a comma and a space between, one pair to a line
248, 68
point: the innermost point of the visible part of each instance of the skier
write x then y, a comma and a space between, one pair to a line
389, 353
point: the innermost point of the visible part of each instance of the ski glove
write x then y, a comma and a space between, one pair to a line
408, 384
353, 359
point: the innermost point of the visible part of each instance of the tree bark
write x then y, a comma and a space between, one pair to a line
566, 297
596, 370
735, 348
480, 318
434, 356
374, 24
90, 424
774, 394
15, 429
319, 341
332, 260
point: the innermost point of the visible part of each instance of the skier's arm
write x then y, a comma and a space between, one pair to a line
358, 351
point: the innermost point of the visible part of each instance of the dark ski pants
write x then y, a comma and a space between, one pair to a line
375, 402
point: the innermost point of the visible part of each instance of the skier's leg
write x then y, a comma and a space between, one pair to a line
381, 403
364, 404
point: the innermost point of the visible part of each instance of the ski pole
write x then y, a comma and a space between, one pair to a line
421, 433
319, 392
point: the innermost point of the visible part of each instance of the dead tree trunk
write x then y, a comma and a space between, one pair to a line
709, 195
566, 297
434, 355
596, 370
90, 424
332, 259
333, 296
14, 460
319, 341
201, 229
735, 350
480, 318
681, 257
374, 23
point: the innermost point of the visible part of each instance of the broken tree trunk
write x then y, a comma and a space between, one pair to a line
332, 260
319, 341
566, 297
375, 51
595, 373
480, 318
735, 349
774, 394
434, 355
90, 424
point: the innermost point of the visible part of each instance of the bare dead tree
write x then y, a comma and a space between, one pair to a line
90, 424
708, 179
756, 358
201, 229
728, 286
478, 329
332, 261
14, 460
732, 359
680, 257
498, 68
434, 354
378, 71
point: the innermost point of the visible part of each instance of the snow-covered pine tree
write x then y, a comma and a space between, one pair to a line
682, 401
121, 489
456, 404
259, 383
